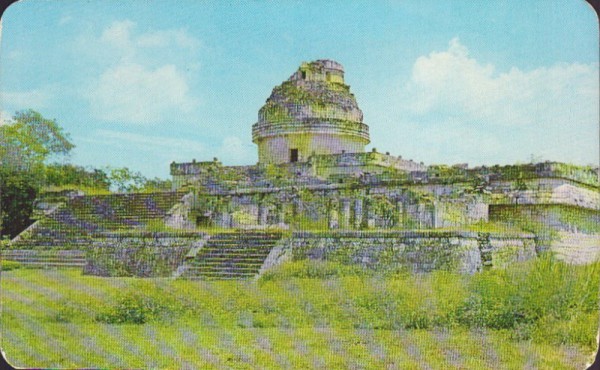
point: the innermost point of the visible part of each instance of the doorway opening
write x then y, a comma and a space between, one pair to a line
293, 155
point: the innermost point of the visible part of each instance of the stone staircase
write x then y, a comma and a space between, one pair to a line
237, 255
76, 222
45, 258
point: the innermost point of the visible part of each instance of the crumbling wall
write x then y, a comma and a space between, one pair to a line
155, 255
464, 252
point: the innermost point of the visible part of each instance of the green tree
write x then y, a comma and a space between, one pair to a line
17, 194
125, 180
157, 184
29, 140
26, 142
77, 176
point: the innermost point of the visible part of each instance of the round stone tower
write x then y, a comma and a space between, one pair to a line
313, 112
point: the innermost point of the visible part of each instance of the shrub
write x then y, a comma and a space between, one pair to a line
526, 295
311, 269
132, 309
66, 312
140, 304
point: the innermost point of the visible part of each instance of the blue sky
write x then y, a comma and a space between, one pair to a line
144, 83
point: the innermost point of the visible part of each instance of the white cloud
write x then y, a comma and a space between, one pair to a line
164, 38
144, 83
451, 82
234, 151
152, 154
145, 141
118, 34
64, 20
121, 35
35, 98
550, 111
134, 93
5, 117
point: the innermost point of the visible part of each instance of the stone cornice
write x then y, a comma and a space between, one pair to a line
316, 126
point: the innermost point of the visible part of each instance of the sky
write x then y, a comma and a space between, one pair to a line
140, 83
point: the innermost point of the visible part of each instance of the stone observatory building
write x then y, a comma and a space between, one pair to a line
315, 193
313, 173
313, 112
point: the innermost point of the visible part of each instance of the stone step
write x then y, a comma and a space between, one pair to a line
223, 269
199, 277
233, 268
42, 259
239, 243
226, 263
231, 255
238, 246
43, 253
230, 259
224, 273
214, 252
236, 261
246, 237
54, 264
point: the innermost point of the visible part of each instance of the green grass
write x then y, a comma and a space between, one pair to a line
539, 314
9, 265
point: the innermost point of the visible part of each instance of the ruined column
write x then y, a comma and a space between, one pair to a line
263, 213
420, 215
227, 219
298, 207
280, 215
401, 213
345, 213
333, 216
434, 218
369, 216
358, 213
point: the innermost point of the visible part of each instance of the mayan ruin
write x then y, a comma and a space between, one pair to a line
299, 185
315, 193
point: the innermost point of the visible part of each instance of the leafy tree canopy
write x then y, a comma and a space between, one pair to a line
25, 143
29, 139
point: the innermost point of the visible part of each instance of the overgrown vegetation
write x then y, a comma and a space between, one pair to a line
542, 312
312, 270
139, 304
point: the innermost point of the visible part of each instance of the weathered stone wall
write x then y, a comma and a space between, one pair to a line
354, 163
341, 208
142, 256
178, 216
576, 248
418, 251
327, 140
552, 216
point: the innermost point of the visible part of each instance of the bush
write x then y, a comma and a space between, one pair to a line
524, 296
311, 269
493, 302
133, 309
66, 312
138, 305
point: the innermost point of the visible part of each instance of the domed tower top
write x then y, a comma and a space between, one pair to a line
313, 112
320, 70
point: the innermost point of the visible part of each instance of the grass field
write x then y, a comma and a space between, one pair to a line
542, 314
